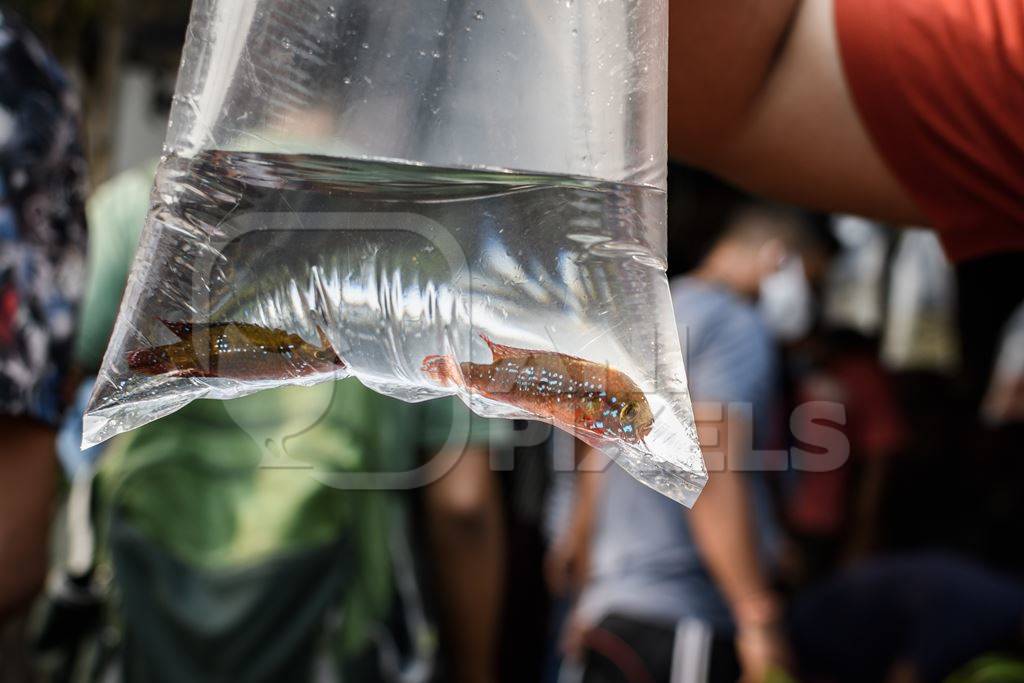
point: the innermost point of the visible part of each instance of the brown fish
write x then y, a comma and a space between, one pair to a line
236, 350
573, 393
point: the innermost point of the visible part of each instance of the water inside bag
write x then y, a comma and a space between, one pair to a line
395, 262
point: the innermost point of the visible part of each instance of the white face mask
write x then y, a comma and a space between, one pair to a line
786, 301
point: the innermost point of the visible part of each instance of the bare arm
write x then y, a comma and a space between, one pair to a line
467, 538
757, 95
722, 524
567, 564
28, 485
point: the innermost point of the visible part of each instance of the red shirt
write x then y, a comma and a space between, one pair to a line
939, 85
875, 426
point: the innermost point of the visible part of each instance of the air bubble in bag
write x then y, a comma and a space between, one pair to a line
423, 195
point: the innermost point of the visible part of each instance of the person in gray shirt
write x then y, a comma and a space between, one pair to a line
685, 595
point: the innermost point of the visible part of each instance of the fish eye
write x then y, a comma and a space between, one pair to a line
628, 412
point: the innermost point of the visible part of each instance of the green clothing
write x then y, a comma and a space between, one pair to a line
116, 213
220, 486
208, 493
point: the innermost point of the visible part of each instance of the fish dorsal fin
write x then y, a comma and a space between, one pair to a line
180, 328
501, 352
326, 344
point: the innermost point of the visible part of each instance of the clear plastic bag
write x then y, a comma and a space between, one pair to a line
336, 199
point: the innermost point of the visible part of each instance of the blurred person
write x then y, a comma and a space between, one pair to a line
571, 507
920, 332
483, 523
526, 476
835, 514
1004, 398
906, 110
997, 523
231, 561
989, 292
466, 528
462, 518
905, 619
42, 251
567, 561
233, 554
675, 593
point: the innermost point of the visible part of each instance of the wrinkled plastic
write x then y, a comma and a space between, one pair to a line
337, 191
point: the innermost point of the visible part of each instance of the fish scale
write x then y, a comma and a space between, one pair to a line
574, 393
236, 350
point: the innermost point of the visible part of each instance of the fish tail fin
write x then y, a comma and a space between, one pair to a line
501, 352
180, 328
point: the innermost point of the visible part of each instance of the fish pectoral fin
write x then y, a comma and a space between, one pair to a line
500, 352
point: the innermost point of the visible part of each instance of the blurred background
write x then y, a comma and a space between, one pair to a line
187, 551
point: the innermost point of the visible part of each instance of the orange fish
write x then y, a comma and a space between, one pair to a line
237, 350
574, 393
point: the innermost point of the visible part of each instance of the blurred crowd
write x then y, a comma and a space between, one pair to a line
859, 399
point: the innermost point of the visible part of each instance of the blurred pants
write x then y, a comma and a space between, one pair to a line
627, 650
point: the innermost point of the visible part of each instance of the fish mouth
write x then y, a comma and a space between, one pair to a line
642, 433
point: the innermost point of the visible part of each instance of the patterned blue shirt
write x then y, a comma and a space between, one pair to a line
42, 225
